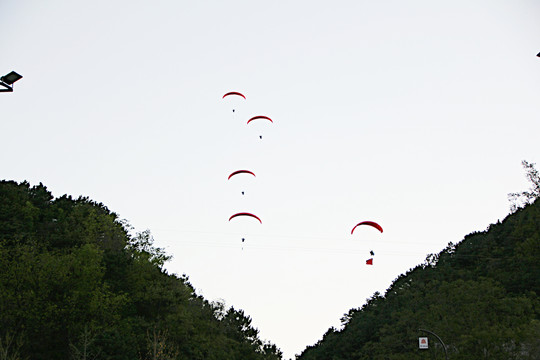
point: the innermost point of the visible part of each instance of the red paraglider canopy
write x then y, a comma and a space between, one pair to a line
233, 93
369, 261
370, 223
240, 172
245, 214
260, 117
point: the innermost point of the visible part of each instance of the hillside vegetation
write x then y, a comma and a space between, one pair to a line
480, 296
74, 284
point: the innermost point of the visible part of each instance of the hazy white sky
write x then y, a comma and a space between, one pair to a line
414, 114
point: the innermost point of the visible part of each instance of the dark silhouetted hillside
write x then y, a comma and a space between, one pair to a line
479, 295
74, 284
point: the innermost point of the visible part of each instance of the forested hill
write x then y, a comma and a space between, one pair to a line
74, 284
480, 296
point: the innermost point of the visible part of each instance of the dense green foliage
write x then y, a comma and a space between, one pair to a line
480, 296
74, 284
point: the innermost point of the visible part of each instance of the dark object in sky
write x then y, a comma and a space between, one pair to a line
369, 261
260, 117
371, 253
242, 193
8, 80
243, 239
370, 223
233, 93
245, 214
240, 172
538, 54
11, 78
260, 137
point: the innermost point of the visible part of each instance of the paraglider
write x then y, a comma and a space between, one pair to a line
240, 172
245, 214
233, 93
260, 117
376, 226
369, 223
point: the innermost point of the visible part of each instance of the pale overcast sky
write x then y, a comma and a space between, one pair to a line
414, 114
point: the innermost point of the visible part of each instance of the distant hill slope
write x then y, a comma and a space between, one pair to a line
480, 296
75, 285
